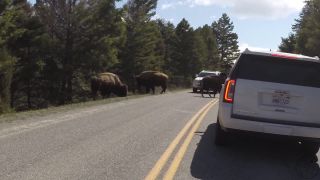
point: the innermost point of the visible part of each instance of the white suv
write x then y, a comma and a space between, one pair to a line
197, 81
272, 93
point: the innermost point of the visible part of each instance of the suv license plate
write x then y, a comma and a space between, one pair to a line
281, 98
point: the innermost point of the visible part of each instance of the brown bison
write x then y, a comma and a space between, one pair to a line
151, 79
212, 84
108, 83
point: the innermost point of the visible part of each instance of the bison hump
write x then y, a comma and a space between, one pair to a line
110, 78
152, 74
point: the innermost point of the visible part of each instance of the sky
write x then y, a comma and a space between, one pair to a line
260, 24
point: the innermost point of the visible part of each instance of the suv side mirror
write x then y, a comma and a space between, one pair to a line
197, 75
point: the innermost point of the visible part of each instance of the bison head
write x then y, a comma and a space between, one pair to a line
122, 91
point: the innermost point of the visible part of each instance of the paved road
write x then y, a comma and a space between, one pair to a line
125, 140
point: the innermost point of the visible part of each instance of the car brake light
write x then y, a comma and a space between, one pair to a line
229, 91
284, 56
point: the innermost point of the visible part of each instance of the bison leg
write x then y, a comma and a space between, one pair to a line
138, 89
201, 90
105, 91
164, 88
209, 92
153, 90
94, 94
94, 88
108, 94
214, 93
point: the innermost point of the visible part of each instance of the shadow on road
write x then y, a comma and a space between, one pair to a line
206, 97
251, 158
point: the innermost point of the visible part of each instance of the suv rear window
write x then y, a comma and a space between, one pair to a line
278, 70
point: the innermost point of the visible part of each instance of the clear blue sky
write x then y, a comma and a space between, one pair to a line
259, 23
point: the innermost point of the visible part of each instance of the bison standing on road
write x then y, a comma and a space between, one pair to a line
212, 84
108, 83
151, 79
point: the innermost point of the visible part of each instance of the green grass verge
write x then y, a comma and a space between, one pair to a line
13, 116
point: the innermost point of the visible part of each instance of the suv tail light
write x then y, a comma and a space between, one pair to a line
229, 91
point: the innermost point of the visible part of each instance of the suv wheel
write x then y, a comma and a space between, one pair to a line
194, 90
221, 137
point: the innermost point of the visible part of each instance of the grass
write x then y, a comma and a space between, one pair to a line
13, 116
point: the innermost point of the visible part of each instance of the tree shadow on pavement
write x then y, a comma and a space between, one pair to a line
251, 158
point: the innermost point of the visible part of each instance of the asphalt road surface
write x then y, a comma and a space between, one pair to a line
163, 136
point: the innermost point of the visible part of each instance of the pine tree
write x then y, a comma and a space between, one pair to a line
201, 48
3, 5
27, 46
6, 68
288, 44
227, 41
7, 28
167, 30
86, 35
307, 29
211, 55
103, 32
141, 11
61, 21
141, 51
187, 56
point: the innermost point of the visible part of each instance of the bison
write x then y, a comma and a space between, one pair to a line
108, 83
151, 79
212, 83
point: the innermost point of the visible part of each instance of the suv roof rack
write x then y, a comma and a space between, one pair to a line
247, 50
209, 71
267, 53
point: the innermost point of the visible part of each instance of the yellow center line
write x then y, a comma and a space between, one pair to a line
180, 154
153, 174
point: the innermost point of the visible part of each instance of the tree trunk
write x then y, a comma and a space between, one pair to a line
68, 58
29, 95
62, 90
69, 88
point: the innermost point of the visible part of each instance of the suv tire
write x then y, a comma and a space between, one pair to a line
194, 90
222, 137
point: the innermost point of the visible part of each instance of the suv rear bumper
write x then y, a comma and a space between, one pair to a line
285, 128
268, 135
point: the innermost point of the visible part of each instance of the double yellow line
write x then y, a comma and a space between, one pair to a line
195, 121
